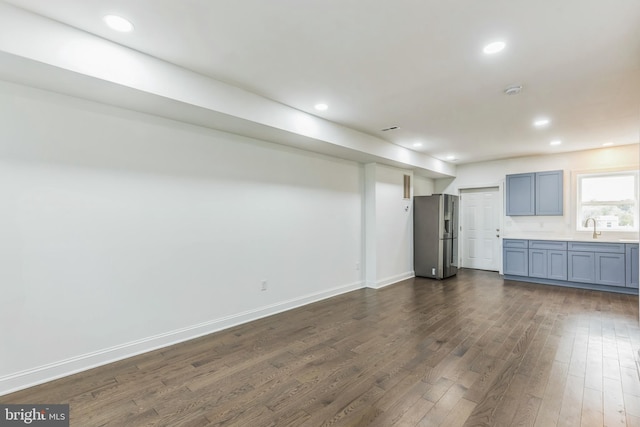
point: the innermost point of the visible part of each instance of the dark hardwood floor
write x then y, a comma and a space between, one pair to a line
472, 350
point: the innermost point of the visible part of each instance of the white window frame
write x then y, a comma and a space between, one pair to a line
579, 225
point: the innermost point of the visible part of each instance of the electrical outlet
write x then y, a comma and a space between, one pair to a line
263, 285
357, 266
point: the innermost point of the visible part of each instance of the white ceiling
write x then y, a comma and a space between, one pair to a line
416, 64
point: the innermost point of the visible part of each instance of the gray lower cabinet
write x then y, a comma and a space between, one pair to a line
515, 256
592, 265
538, 265
599, 263
557, 261
548, 259
631, 252
610, 269
581, 267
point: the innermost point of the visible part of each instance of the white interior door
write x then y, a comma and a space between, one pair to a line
480, 211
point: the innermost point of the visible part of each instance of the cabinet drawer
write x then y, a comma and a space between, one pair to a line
547, 244
596, 247
515, 243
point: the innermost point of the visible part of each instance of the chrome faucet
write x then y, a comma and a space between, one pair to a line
595, 233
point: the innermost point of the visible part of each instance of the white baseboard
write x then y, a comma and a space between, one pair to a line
41, 374
391, 280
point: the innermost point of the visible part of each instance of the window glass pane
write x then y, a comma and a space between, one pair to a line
608, 188
610, 199
613, 217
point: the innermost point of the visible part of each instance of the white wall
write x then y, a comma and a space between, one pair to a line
423, 186
389, 226
394, 218
121, 232
490, 174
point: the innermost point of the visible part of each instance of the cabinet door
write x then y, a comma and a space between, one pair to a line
515, 261
549, 189
632, 265
538, 263
610, 269
520, 194
557, 265
581, 267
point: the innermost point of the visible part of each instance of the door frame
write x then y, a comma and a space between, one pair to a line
461, 232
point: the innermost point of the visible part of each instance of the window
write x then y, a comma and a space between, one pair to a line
611, 198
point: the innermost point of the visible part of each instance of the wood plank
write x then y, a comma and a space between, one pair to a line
443, 407
592, 408
549, 410
470, 350
571, 409
398, 400
527, 411
613, 403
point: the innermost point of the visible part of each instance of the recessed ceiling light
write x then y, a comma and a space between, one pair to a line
321, 107
417, 144
451, 157
607, 144
556, 142
494, 47
118, 23
541, 122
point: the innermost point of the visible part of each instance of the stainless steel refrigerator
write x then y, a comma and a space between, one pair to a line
435, 235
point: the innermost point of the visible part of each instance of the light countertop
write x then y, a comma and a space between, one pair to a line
600, 239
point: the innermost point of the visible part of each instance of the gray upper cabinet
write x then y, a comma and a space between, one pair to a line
535, 193
549, 193
521, 194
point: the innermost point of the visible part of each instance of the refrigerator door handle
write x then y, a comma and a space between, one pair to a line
454, 220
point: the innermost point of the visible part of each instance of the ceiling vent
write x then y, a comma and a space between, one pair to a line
390, 128
513, 90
